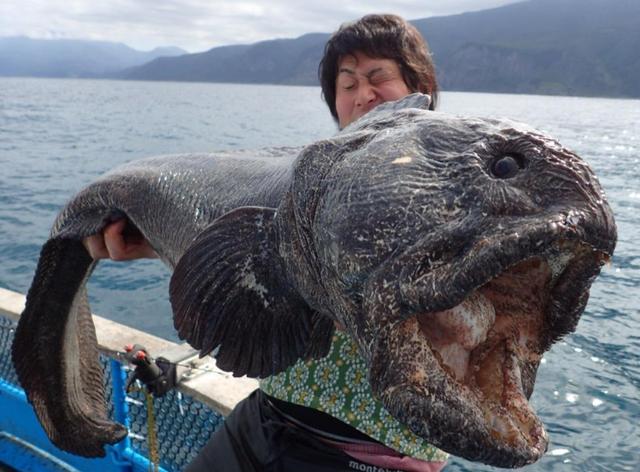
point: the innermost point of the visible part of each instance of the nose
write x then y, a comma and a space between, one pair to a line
366, 95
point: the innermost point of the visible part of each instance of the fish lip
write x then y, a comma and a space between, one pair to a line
451, 414
458, 432
423, 288
498, 256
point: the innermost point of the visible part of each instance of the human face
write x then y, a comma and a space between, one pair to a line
364, 82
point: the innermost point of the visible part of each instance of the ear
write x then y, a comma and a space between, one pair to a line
230, 291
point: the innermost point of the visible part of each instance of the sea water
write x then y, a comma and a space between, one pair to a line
57, 135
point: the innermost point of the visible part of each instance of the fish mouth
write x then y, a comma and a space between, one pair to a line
460, 374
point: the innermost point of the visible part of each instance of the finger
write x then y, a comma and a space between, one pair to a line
123, 248
114, 240
95, 247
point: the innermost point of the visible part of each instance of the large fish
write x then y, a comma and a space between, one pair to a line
455, 251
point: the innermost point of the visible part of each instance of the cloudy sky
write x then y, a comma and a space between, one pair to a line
198, 25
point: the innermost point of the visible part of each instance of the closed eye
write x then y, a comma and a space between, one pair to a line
378, 76
346, 82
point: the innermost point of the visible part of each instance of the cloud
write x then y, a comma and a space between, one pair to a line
197, 25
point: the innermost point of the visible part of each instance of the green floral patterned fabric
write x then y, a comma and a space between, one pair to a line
337, 385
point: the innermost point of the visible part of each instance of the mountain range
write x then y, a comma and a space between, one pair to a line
21, 56
565, 47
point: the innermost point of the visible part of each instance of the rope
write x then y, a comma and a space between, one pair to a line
152, 439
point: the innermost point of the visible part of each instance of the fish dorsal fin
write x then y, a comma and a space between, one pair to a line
414, 100
229, 292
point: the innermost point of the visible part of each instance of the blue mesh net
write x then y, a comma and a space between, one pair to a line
183, 424
7, 372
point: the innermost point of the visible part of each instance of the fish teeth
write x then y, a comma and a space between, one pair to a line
452, 334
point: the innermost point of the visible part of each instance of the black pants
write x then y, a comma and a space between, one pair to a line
254, 438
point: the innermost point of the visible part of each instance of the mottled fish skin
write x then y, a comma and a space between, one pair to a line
184, 191
454, 250
169, 200
407, 214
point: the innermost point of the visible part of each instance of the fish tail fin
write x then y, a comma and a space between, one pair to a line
55, 353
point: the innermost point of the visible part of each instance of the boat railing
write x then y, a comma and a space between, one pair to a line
163, 436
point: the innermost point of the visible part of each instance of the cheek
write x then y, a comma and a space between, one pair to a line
394, 91
344, 106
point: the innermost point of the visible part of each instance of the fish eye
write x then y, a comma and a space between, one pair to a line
506, 166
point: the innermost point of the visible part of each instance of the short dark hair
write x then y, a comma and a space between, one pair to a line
380, 36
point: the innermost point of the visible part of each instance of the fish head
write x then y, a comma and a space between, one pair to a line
455, 252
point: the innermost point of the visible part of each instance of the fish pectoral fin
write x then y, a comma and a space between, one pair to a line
229, 291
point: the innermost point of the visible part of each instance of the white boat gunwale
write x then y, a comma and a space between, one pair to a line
206, 383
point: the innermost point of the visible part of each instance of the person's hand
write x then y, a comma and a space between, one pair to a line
114, 243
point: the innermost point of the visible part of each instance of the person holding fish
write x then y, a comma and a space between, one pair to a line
321, 415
